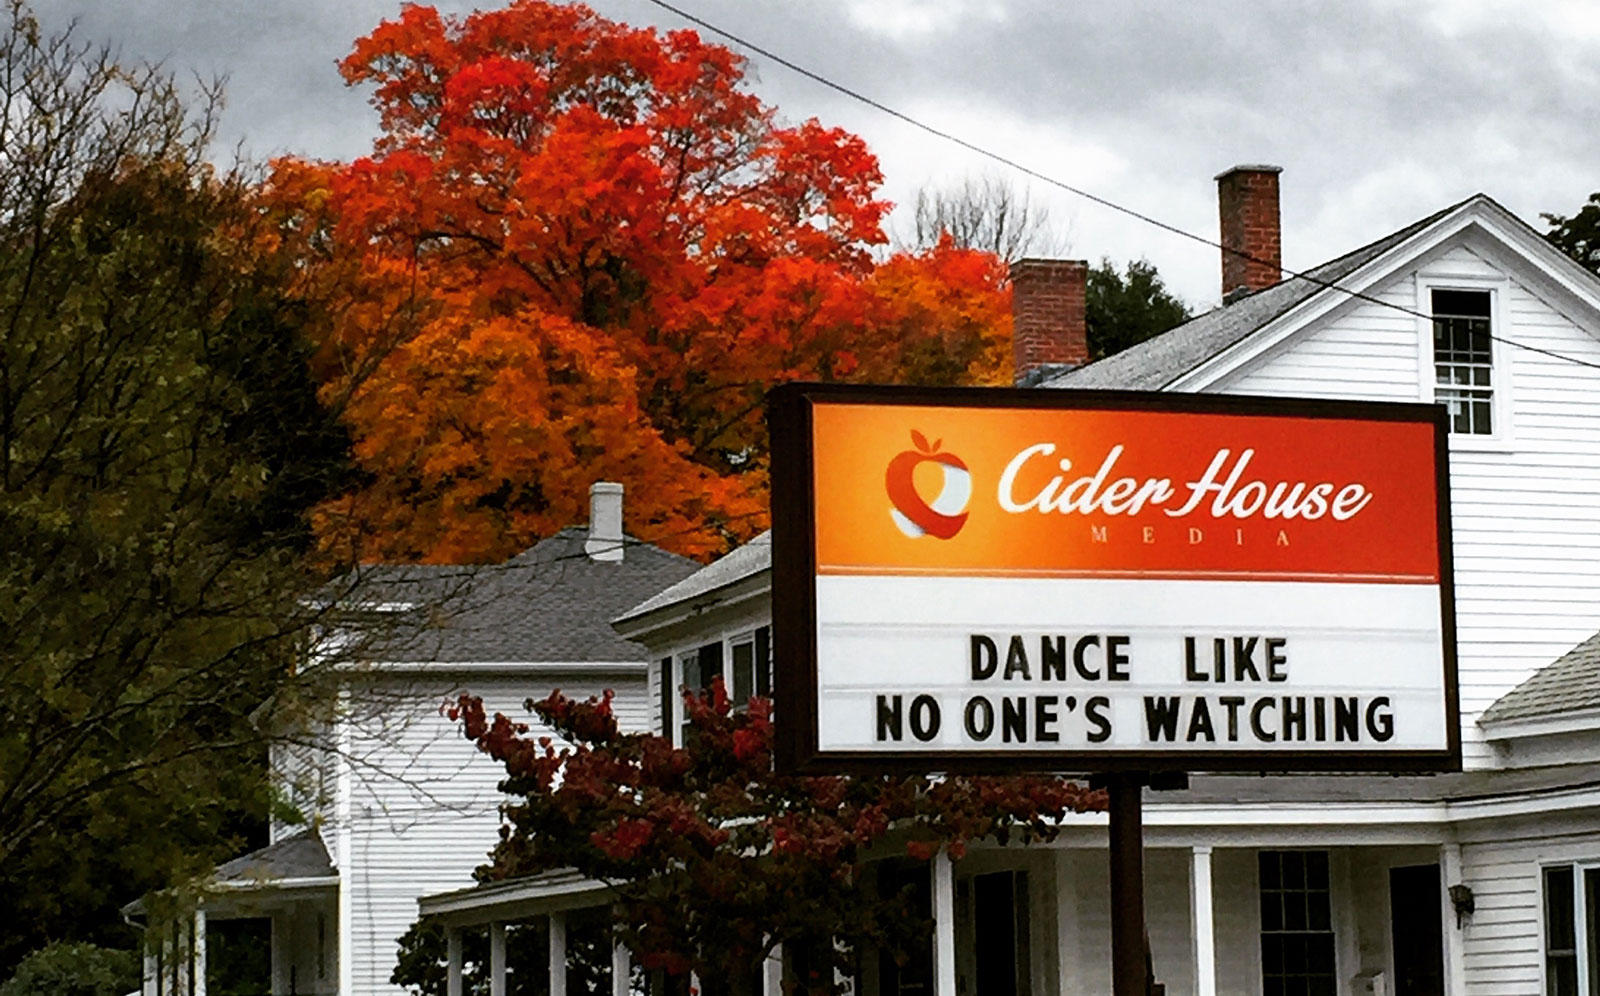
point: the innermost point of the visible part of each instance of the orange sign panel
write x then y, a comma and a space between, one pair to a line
1082, 493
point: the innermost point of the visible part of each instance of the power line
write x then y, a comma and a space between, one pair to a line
1010, 163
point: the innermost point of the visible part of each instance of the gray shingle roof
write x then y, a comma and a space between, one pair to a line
1460, 786
299, 856
747, 561
550, 603
1156, 363
1570, 684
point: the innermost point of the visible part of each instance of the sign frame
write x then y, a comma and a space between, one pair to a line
794, 592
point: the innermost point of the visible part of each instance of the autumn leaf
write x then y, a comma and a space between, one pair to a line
581, 250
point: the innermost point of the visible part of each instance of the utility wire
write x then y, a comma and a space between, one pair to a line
901, 116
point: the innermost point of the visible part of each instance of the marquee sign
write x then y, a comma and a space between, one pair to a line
970, 580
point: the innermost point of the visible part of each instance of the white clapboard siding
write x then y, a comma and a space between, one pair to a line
424, 804
1503, 939
1526, 515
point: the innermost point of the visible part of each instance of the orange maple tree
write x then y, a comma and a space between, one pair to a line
586, 251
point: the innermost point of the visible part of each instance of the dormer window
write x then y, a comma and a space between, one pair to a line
1463, 359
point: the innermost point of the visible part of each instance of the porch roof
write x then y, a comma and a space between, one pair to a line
1569, 684
515, 899
301, 856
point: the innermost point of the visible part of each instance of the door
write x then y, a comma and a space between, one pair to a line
1417, 929
1000, 925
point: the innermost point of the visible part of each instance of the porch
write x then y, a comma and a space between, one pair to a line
1291, 913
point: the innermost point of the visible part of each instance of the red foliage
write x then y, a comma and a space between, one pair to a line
582, 250
714, 856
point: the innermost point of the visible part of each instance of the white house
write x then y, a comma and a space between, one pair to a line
1483, 882
395, 802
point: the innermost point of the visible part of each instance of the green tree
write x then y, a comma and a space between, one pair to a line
160, 444
1125, 308
1579, 235
74, 970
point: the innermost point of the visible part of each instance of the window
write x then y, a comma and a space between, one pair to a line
747, 672
1463, 359
750, 655
1572, 930
696, 670
1297, 956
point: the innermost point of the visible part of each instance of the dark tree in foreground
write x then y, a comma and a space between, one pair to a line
160, 444
1124, 309
1579, 235
714, 858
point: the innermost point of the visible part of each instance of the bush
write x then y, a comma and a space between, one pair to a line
74, 970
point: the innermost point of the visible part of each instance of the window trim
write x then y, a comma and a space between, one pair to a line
679, 654
1336, 893
1580, 929
1500, 366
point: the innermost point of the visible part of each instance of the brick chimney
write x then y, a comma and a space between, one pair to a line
605, 521
1247, 200
1049, 329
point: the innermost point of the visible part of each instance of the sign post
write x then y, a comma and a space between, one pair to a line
981, 580
1129, 938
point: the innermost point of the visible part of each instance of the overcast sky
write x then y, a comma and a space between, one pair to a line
1379, 111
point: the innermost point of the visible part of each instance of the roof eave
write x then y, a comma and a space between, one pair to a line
1550, 724
757, 584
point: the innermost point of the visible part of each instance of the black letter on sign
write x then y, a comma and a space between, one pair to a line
1017, 660
1044, 722
924, 717
1053, 658
1094, 711
889, 717
1116, 658
1014, 719
1262, 733
980, 718
985, 657
1381, 724
1161, 717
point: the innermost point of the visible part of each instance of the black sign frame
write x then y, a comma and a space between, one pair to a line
794, 608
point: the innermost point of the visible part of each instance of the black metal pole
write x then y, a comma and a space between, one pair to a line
1129, 960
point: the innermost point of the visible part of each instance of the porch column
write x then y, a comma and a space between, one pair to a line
281, 948
1066, 923
150, 983
497, 959
621, 969
1455, 962
1202, 922
452, 985
944, 925
558, 954
197, 953
773, 970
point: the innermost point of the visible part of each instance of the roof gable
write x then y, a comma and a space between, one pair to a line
1202, 351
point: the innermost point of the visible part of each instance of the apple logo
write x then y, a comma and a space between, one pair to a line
945, 515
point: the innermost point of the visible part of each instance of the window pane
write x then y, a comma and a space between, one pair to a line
1560, 954
744, 673
1558, 933
1591, 925
1468, 303
1317, 870
1271, 911
1294, 876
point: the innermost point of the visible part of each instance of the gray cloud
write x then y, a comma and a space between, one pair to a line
1380, 111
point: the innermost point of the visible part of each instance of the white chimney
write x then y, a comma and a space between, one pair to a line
605, 521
